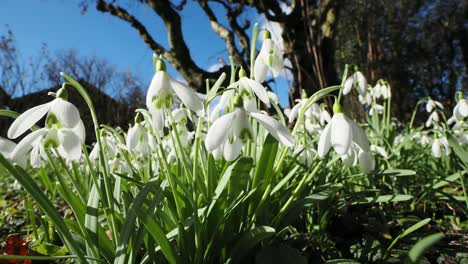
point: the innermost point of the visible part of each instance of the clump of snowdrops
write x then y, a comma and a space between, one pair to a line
207, 181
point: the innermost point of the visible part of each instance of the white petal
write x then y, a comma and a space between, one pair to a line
6, 147
260, 69
341, 134
132, 137
294, 112
66, 113
232, 150
349, 159
324, 143
160, 82
361, 83
257, 88
27, 119
436, 151
359, 136
348, 85
277, 130
430, 105
69, 144
188, 96
241, 126
27, 143
366, 162
219, 131
158, 119
80, 130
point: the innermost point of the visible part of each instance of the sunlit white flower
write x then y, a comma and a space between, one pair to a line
273, 97
248, 90
381, 90
64, 129
6, 147
231, 130
365, 99
376, 108
379, 150
137, 139
325, 117
305, 155
438, 145
460, 110
358, 81
433, 119
269, 58
366, 162
160, 95
432, 104
340, 133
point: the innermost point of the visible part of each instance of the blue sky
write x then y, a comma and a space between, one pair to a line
60, 25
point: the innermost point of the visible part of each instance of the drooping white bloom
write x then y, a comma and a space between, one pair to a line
432, 104
366, 162
248, 90
365, 99
376, 108
6, 147
161, 92
137, 139
64, 128
438, 145
460, 110
433, 119
381, 90
269, 58
358, 81
348, 140
379, 150
340, 133
229, 131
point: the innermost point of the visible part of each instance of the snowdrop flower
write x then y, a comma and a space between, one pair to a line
437, 146
273, 97
379, 150
64, 128
431, 105
366, 161
356, 80
248, 90
305, 154
269, 58
160, 95
6, 147
381, 90
376, 108
365, 99
340, 133
433, 119
460, 110
137, 139
228, 132
324, 117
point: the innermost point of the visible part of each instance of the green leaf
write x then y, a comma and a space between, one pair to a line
243, 164
398, 173
91, 220
128, 228
459, 151
47, 207
156, 232
384, 199
405, 233
249, 240
418, 250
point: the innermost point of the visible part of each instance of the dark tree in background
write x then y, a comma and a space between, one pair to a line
418, 46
